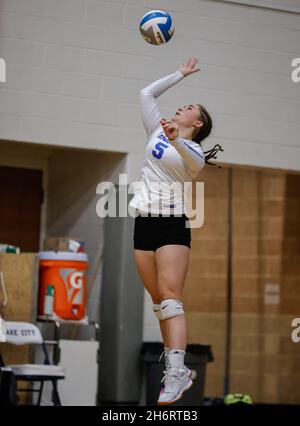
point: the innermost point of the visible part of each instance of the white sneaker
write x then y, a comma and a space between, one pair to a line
176, 381
192, 373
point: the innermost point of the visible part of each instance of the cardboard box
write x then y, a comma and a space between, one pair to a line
74, 245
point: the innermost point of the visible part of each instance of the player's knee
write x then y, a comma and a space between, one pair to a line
156, 310
170, 308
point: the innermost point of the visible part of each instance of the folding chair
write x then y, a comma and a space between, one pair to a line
22, 333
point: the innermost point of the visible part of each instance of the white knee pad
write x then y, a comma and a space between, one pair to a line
156, 310
171, 308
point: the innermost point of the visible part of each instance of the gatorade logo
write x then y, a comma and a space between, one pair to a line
75, 287
76, 280
73, 281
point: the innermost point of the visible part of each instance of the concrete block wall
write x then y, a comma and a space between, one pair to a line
74, 69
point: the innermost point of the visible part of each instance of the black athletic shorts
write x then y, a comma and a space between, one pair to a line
152, 232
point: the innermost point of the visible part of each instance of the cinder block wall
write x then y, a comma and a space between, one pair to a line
75, 67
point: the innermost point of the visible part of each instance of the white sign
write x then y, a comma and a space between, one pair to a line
272, 295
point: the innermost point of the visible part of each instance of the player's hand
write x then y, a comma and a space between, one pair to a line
170, 128
189, 67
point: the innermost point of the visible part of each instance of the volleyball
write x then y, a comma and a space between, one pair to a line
157, 27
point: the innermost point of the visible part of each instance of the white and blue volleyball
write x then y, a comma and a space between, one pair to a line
157, 27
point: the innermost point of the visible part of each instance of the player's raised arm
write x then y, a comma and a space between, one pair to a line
150, 112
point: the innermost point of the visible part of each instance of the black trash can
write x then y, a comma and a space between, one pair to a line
196, 358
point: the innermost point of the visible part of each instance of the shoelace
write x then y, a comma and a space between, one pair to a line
166, 359
170, 378
161, 355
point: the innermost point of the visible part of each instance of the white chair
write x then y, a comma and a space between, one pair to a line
23, 333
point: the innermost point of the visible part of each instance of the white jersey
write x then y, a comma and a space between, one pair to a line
167, 164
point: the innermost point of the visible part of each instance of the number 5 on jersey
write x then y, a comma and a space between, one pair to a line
160, 146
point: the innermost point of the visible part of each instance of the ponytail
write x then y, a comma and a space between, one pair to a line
203, 133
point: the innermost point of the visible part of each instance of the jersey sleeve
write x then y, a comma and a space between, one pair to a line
150, 113
191, 153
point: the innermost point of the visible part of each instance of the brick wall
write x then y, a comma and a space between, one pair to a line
258, 214
265, 240
205, 290
289, 359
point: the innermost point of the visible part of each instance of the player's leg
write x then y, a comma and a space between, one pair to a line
172, 264
147, 269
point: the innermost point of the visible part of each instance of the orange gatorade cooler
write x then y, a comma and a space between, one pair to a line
66, 272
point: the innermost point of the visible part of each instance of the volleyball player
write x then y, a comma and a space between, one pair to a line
162, 236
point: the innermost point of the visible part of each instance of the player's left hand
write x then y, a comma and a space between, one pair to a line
170, 128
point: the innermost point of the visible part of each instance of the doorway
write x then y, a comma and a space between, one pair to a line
21, 196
